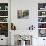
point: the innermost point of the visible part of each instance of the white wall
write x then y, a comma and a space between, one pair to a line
23, 24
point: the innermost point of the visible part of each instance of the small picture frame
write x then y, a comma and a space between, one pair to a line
22, 14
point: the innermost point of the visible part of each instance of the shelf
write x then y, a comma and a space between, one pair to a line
3, 22
42, 19
3, 16
3, 10
42, 16
41, 10
41, 22
4, 19
41, 28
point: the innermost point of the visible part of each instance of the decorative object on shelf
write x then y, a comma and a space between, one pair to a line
4, 29
3, 6
3, 13
23, 14
0, 7
41, 19
31, 27
6, 7
42, 32
4, 26
41, 13
3, 19
40, 25
41, 6
13, 27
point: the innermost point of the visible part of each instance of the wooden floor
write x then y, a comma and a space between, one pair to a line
3, 45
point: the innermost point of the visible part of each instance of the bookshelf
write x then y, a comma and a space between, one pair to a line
42, 19
4, 19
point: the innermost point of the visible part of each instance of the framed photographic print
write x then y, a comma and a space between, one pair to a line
23, 14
